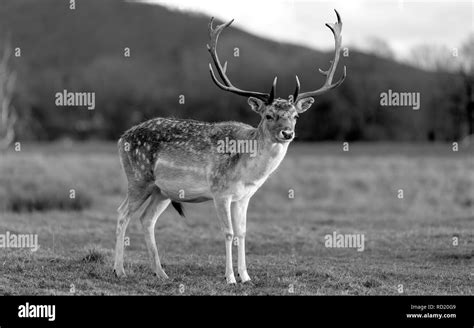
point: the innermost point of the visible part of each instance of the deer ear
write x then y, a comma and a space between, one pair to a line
304, 104
256, 104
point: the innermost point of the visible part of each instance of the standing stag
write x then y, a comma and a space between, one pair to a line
169, 160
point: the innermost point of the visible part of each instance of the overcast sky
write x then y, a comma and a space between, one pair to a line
401, 23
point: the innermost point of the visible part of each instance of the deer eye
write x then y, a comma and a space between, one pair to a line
269, 117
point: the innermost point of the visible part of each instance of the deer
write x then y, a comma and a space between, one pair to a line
170, 160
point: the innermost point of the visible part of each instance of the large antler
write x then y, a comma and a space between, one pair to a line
227, 86
328, 85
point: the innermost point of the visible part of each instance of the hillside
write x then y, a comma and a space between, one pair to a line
83, 50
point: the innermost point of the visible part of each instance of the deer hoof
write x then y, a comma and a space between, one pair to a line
230, 279
120, 273
244, 277
161, 274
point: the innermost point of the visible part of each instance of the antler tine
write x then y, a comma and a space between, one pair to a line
227, 84
336, 30
273, 90
297, 89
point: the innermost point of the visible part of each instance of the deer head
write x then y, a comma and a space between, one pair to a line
278, 116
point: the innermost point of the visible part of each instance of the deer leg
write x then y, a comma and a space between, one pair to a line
223, 213
239, 220
152, 212
126, 210
122, 223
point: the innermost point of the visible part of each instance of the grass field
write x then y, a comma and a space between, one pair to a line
409, 241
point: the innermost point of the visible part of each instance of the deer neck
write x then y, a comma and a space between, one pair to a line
268, 156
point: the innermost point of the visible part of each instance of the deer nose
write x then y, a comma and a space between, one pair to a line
287, 134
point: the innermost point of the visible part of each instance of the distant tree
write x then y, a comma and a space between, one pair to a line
7, 111
467, 53
434, 57
458, 61
379, 47
466, 69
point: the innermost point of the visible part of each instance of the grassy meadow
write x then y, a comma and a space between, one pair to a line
408, 241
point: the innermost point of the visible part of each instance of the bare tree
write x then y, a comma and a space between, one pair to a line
466, 69
467, 54
433, 57
379, 47
7, 111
